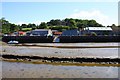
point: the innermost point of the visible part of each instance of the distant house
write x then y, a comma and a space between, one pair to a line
40, 32
73, 32
56, 32
98, 30
28, 33
19, 33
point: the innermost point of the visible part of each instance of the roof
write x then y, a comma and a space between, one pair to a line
20, 32
54, 30
57, 33
98, 28
41, 29
70, 32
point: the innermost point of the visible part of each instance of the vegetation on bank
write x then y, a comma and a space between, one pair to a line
26, 29
57, 24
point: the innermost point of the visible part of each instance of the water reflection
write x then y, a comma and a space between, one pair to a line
23, 70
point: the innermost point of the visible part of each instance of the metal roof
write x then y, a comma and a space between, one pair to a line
98, 28
41, 30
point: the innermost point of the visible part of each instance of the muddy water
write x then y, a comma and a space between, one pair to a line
58, 52
25, 70
78, 44
28, 70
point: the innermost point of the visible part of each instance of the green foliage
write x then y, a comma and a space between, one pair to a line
43, 25
113, 25
93, 34
59, 28
54, 22
26, 29
57, 24
31, 25
24, 25
8, 27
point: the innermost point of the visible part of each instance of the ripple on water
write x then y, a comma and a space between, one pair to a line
24, 70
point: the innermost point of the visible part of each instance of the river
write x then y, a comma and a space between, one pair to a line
29, 70
64, 52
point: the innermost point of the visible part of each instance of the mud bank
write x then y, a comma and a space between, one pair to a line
68, 47
38, 59
60, 52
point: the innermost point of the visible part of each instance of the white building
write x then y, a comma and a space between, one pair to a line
41, 32
98, 30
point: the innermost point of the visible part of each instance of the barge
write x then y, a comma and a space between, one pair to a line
76, 39
62, 39
28, 39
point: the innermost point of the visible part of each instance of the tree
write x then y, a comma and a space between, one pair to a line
31, 25
5, 25
71, 23
56, 22
85, 23
17, 28
12, 28
24, 25
81, 24
8, 27
92, 23
68, 23
113, 25
43, 25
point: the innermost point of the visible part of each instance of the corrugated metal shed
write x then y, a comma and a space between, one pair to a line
41, 30
73, 32
99, 28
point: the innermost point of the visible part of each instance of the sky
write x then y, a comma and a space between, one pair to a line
105, 13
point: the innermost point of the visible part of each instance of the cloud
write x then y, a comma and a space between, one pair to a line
93, 14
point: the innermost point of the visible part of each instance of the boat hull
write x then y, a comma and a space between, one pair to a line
75, 39
29, 39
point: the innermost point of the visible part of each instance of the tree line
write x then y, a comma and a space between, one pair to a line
57, 24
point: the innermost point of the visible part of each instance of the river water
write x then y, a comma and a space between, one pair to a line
29, 70
64, 52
